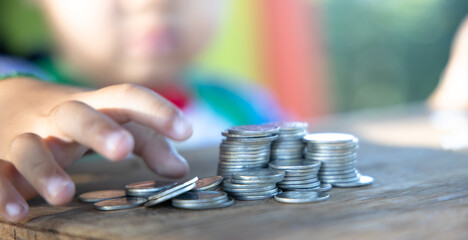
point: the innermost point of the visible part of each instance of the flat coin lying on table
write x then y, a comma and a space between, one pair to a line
301, 197
362, 181
171, 192
201, 200
120, 203
96, 196
147, 188
209, 183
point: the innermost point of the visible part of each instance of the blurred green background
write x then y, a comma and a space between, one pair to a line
379, 52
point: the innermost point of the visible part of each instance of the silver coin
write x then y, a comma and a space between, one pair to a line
325, 187
297, 178
96, 196
330, 138
259, 174
299, 182
262, 193
119, 203
257, 189
327, 173
253, 129
221, 204
254, 198
295, 164
301, 197
172, 194
334, 181
363, 181
247, 182
288, 126
228, 184
293, 186
338, 177
208, 183
144, 189
305, 189
262, 140
199, 197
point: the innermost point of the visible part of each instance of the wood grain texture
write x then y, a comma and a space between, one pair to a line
419, 193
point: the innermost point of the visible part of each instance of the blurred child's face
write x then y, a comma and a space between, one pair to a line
141, 41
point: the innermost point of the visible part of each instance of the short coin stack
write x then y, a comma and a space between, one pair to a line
337, 152
245, 147
289, 144
202, 200
253, 184
300, 174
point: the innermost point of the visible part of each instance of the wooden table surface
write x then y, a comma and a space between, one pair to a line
420, 192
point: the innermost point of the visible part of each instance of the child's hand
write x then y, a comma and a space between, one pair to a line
44, 128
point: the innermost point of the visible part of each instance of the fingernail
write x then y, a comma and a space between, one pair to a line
182, 127
13, 209
56, 186
118, 139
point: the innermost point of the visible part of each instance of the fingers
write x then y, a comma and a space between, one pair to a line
157, 153
130, 102
92, 128
31, 157
12, 206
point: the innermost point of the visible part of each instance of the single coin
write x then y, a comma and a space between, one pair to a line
301, 197
295, 164
247, 182
291, 186
259, 189
298, 182
172, 194
334, 181
146, 188
119, 203
363, 181
262, 193
289, 126
96, 196
229, 184
221, 204
253, 129
208, 183
199, 197
330, 138
174, 188
254, 198
259, 174
325, 187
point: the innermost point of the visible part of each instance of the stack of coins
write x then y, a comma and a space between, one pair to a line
151, 193
245, 147
337, 152
289, 144
201, 200
300, 174
253, 184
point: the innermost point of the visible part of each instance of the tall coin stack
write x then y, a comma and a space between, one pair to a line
289, 144
245, 147
338, 154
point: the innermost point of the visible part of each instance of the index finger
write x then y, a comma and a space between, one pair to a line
131, 102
